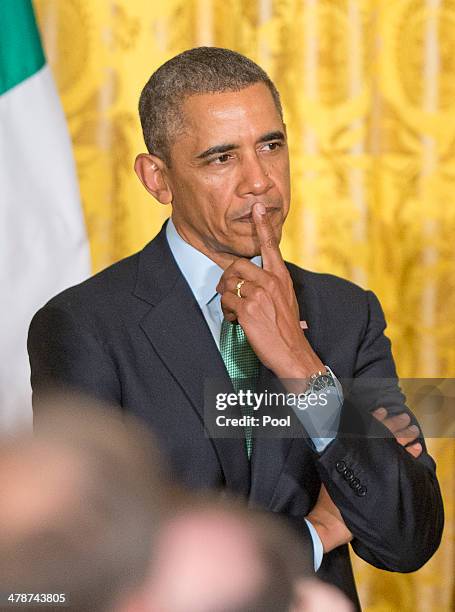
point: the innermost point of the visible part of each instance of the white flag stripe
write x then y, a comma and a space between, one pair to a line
44, 248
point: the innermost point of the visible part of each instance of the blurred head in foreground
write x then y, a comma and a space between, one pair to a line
82, 501
217, 556
316, 596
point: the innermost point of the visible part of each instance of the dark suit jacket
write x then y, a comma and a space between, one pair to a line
134, 335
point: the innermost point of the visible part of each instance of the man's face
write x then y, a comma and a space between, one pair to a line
232, 153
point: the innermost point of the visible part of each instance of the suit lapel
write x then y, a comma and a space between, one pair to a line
270, 454
176, 328
308, 306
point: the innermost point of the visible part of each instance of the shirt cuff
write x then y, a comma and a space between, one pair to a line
318, 550
321, 418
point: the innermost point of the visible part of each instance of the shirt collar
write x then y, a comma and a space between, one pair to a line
200, 272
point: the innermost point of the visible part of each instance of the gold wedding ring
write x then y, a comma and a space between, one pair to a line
238, 287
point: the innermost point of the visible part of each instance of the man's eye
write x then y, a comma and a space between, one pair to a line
273, 146
222, 159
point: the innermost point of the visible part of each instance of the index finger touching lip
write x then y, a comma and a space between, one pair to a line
271, 255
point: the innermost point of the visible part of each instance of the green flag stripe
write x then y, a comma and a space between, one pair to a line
21, 53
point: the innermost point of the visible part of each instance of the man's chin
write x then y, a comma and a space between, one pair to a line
246, 248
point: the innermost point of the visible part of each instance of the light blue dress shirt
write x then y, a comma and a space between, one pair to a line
202, 275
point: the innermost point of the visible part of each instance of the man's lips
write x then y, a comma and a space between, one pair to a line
248, 218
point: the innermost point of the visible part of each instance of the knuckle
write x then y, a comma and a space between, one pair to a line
232, 285
273, 282
257, 293
241, 264
249, 308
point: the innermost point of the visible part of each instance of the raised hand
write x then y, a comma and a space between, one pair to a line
267, 308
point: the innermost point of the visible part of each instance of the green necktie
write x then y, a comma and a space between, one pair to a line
242, 366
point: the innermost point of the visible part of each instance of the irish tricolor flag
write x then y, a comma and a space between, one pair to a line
43, 244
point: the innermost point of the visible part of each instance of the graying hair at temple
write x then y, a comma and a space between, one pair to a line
197, 71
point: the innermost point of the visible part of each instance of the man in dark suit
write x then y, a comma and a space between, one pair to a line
210, 298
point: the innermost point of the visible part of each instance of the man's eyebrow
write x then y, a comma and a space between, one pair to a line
276, 135
224, 148
217, 149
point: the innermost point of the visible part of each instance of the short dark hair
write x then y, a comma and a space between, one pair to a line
196, 71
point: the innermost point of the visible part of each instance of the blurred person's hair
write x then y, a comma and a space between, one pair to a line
281, 555
196, 71
82, 500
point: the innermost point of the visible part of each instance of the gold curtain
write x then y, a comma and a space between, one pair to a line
368, 88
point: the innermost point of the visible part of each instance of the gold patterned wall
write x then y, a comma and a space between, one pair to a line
369, 93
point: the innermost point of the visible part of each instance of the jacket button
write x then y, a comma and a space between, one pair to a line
340, 466
348, 475
355, 484
361, 491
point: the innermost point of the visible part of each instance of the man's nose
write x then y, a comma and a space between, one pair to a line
255, 178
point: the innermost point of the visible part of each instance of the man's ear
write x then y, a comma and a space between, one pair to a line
150, 170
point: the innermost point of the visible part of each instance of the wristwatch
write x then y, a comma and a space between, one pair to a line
320, 381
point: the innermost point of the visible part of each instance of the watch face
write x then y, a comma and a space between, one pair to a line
322, 382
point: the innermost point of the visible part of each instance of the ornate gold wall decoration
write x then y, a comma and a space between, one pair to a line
410, 50
368, 88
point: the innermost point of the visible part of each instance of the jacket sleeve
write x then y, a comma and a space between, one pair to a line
67, 355
390, 501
